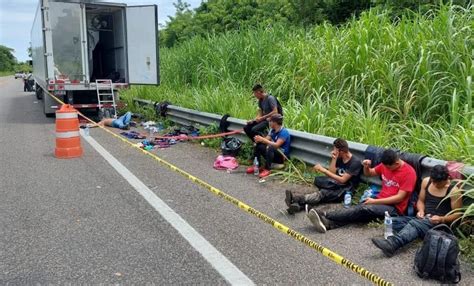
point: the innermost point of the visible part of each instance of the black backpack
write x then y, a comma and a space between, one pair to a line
438, 256
279, 107
230, 146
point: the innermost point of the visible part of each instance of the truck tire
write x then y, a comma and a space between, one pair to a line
38, 91
48, 101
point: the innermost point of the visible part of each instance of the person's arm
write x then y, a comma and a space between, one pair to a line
274, 105
340, 179
456, 203
371, 172
406, 182
393, 200
267, 141
266, 116
420, 204
259, 114
332, 165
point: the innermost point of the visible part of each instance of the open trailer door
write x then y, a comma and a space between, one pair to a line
142, 44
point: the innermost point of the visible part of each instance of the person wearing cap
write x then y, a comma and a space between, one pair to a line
268, 105
274, 147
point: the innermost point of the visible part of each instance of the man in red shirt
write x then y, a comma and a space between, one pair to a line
398, 182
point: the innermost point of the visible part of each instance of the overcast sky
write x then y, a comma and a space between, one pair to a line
16, 18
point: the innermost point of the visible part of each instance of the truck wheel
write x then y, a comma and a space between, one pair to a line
39, 92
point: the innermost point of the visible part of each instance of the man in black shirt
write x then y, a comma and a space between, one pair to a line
342, 175
267, 106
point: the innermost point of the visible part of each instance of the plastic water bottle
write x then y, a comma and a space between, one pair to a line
347, 199
367, 194
388, 225
160, 127
150, 134
256, 171
86, 130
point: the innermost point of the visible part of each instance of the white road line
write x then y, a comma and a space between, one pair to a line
217, 260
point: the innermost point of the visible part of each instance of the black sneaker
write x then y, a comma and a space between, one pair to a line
385, 245
316, 221
288, 198
293, 208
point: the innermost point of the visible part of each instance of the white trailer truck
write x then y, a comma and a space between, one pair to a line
85, 51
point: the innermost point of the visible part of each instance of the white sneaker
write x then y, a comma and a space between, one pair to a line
316, 221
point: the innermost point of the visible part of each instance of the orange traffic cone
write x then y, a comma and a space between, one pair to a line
68, 141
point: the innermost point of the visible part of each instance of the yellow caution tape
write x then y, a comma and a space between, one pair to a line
265, 218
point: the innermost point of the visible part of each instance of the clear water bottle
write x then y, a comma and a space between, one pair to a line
388, 225
160, 127
256, 171
86, 130
367, 194
347, 199
150, 134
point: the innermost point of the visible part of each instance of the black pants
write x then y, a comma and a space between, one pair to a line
270, 154
326, 196
255, 128
358, 213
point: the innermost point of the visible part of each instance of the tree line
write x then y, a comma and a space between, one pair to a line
8, 62
218, 16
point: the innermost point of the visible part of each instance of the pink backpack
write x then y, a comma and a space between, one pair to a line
225, 163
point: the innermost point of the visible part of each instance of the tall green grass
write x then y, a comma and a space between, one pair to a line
406, 84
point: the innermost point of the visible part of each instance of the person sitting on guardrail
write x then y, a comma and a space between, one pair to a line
343, 175
398, 182
123, 122
268, 105
274, 147
433, 207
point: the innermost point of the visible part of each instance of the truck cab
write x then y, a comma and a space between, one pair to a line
83, 48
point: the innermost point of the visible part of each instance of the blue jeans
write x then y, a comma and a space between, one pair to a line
409, 228
359, 213
122, 121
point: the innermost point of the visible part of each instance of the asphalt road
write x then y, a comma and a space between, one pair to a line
79, 221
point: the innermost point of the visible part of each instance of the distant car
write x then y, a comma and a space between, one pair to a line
19, 75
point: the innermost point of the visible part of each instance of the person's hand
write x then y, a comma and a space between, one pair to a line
318, 168
334, 154
420, 214
369, 201
436, 219
258, 139
367, 163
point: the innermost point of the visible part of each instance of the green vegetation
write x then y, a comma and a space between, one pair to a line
218, 16
9, 64
406, 84
6, 73
7, 60
466, 244
466, 228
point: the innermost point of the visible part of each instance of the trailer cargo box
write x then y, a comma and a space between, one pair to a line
84, 51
